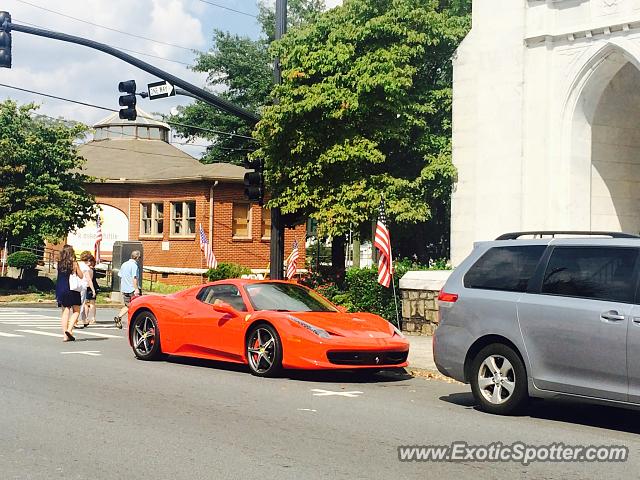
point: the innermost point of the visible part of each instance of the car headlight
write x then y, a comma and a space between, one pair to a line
397, 331
317, 330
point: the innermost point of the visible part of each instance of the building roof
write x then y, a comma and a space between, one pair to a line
146, 161
143, 119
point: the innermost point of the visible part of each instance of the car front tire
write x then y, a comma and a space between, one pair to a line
145, 336
499, 380
264, 351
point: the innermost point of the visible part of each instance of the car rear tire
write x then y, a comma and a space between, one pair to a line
145, 337
264, 351
499, 380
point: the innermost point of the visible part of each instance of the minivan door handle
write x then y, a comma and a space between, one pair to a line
612, 316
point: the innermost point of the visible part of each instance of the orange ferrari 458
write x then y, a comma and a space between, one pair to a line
268, 325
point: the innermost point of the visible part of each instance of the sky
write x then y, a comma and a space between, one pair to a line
87, 75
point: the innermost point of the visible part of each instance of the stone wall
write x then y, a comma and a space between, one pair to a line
419, 311
419, 292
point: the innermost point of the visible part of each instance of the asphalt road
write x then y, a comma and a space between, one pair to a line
105, 415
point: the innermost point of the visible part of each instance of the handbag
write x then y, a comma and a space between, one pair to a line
75, 283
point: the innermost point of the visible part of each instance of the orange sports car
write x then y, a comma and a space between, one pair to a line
268, 325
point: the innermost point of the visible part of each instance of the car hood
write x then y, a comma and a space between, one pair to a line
365, 325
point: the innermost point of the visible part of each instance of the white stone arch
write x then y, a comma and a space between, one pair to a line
115, 226
588, 79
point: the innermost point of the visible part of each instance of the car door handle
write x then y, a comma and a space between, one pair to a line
636, 320
612, 316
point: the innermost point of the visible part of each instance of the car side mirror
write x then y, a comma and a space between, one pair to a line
341, 309
223, 307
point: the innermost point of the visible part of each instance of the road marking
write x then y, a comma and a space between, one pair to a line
91, 353
307, 410
93, 334
10, 335
40, 325
327, 393
38, 332
30, 319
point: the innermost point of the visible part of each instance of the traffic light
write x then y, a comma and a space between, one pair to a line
5, 40
254, 181
128, 101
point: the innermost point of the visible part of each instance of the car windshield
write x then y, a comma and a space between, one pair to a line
286, 297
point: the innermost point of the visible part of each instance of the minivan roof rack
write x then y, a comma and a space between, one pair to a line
553, 233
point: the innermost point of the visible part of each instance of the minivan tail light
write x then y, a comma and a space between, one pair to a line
447, 297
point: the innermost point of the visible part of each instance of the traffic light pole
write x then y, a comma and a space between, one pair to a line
277, 228
196, 92
277, 224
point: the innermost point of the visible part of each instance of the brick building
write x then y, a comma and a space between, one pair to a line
151, 191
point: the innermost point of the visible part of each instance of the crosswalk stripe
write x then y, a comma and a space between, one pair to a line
19, 314
52, 327
92, 334
38, 332
29, 319
10, 335
37, 325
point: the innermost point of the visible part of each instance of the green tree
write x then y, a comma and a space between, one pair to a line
364, 111
42, 193
241, 69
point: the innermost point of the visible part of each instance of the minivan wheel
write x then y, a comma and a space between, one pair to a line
499, 380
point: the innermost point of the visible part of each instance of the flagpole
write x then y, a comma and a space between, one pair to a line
395, 298
4, 256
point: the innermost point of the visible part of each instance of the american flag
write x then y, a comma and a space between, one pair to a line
207, 250
98, 240
383, 243
292, 261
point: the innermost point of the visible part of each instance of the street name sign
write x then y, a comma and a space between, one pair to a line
160, 90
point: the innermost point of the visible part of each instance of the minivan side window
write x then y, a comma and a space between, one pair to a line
602, 273
505, 268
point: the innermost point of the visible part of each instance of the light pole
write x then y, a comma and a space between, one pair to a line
277, 227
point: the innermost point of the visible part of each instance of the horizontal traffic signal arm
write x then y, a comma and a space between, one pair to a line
197, 92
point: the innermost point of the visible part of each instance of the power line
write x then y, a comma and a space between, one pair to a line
189, 144
229, 8
104, 26
57, 98
170, 122
119, 48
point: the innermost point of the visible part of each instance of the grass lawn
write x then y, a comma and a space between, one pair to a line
23, 296
160, 287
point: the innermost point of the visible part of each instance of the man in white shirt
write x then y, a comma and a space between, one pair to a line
129, 284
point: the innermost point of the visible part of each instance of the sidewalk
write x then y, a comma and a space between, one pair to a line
421, 352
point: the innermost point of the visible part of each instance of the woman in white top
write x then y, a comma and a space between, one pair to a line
92, 292
86, 279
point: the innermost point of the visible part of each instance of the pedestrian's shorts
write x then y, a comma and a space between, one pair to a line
126, 298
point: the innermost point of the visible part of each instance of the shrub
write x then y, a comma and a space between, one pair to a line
23, 260
43, 284
227, 270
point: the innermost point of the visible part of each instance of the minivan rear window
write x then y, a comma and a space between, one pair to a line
505, 268
600, 273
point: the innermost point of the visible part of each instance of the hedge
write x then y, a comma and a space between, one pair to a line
226, 270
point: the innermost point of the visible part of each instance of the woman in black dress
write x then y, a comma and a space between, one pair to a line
69, 300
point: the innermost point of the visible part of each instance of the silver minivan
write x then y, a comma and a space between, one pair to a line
544, 317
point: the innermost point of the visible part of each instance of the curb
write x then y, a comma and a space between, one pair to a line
49, 304
430, 375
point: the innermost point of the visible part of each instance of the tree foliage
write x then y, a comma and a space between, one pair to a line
364, 112
42, 193
240, 69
